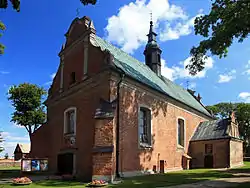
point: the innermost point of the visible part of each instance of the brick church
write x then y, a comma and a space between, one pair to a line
110, 115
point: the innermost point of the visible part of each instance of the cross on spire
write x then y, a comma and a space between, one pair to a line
187, 82
151, 16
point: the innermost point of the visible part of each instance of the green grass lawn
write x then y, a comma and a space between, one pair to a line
11, 168
172, 178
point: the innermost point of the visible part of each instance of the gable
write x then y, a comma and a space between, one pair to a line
17, 149
77, 28
25, 148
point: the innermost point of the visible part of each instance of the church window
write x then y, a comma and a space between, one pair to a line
148, 59
208, 149
145, 126
181, 134
70, 121
72, 78
159, 58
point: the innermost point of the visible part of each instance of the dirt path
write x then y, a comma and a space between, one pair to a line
219, 183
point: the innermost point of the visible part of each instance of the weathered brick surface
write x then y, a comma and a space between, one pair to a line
164, 131
40, 146
85, 94
104, 133
103, 164
236, 153
220, 153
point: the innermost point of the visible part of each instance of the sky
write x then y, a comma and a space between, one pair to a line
34, 37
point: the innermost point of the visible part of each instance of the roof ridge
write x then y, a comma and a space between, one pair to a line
141, 72
140, 62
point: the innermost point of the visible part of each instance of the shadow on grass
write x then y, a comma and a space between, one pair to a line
242, 171
243, 185
171, 179
9, 173
59, 183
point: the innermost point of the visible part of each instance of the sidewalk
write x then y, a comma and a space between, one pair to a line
219, 183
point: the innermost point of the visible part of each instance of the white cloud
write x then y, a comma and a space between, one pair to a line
192, 85
223, 78
165, 71
10, 142
248, 64
52, 76
247, 71
245, 96
9, 148
16, 125
180, 29
11, 137
4, 72
130, 26
178, 72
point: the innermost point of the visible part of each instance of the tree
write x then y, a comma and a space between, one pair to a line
222, 110
6, 156
1, 140
4, 4
16, 6
243, 119
242, 113
29, 110
228, 20
86, 2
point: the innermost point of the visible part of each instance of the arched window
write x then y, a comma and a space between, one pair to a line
72, 78
148, 59
145, 126
70, 121
181, 134
159, 58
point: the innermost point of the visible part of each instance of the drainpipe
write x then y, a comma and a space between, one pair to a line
122, 75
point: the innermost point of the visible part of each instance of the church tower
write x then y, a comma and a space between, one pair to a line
152, 52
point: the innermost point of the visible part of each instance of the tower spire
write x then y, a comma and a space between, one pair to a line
152, 50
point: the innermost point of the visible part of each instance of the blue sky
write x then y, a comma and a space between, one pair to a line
34, 37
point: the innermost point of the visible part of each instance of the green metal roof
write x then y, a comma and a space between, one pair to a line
142, 73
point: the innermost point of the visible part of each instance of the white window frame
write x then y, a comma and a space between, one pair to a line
177, 133
65, 120
151, 125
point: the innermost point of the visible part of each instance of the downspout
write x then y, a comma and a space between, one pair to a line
122, 75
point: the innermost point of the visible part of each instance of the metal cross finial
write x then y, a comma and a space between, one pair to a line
151, 16
187, 84
77, 12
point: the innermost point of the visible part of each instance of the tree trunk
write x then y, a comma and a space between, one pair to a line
28, 128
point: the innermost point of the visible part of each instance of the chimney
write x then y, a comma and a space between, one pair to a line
233, 117
192, 92
198, 97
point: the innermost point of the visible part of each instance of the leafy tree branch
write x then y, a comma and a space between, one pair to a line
228, 20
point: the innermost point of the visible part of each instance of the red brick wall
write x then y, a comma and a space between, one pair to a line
40, 140
104, 163
220, 153
104, 133
164, 125
48, 141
